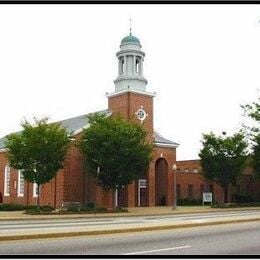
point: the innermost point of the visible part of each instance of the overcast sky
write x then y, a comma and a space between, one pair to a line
202, 61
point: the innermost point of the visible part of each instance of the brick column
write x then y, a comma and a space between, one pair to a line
151, 185
170, 186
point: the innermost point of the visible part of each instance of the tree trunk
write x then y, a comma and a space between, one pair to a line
38, 197
225, 188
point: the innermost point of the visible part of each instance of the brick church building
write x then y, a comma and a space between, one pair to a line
132, 100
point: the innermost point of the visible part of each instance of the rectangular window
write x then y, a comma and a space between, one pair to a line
35, 190
20, 190
190, 191
7, 181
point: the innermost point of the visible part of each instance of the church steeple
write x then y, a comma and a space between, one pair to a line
130, 65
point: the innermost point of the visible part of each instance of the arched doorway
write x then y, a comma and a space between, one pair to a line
161, 170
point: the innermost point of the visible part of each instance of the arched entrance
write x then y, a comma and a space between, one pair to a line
161, 170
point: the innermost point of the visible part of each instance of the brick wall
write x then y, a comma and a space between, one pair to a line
127, 105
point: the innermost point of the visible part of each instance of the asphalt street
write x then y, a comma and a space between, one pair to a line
226, 239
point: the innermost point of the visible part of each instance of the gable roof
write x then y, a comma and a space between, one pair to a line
159, 140
76, 124
73, 125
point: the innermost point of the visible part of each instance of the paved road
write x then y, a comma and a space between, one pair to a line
235, 239
70, 225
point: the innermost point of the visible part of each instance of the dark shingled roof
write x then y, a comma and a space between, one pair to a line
74, 124
161, 140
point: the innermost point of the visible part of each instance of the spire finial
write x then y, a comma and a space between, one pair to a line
130, 23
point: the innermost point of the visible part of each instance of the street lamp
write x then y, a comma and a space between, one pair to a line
174, 168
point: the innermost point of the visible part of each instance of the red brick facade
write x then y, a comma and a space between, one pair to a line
191, 184
72, 184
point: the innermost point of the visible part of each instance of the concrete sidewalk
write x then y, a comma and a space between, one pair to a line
106, 228
136, 211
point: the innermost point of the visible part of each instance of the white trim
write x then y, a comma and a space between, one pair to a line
20, 177
140, 185
78, 131
121, 92
116, 198
35, 195
166, 145
3, 150
7, 180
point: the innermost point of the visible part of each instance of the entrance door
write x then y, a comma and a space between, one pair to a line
142, 193
161, 170
143, 197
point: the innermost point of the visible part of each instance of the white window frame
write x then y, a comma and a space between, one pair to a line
142, 183
7, 180
20, 177
35, 194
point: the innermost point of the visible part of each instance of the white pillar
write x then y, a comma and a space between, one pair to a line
141, 66
116, 197
125, 65
134, 61
119, 66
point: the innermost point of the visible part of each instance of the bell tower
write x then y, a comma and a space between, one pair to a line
130, 98
130, 65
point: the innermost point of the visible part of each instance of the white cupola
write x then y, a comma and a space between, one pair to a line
130, 65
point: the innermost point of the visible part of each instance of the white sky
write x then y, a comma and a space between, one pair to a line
202, 60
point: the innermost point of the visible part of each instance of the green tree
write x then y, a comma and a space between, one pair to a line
252, 111
38, 150
116, 151
223, 159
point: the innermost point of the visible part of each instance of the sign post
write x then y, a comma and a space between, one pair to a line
207, 197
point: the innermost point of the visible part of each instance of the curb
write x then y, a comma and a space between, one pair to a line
118, 231
107, 215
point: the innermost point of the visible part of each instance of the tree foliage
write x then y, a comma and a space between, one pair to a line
116, 151
253, 111
223, 159
38, 150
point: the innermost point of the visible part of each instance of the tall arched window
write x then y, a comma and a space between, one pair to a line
7, 181
122, 65
20, 190
137, 66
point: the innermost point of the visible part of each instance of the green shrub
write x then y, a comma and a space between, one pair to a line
43, 209
73, 209
100, 209
243, 198
119, 209
189, 202
90, 205
236, 205
12, 207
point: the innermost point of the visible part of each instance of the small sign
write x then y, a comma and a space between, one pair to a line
207, 197
142, 183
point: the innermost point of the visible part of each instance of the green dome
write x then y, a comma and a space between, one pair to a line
130, 39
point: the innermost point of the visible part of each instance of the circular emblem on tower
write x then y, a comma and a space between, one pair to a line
141, 114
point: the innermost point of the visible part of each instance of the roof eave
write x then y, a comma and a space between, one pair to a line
78, 131
166, 145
